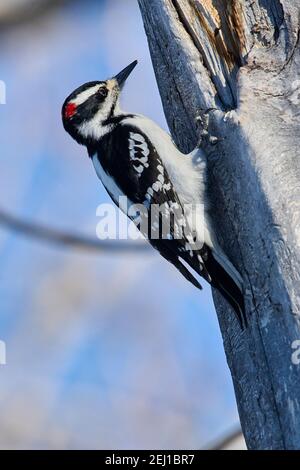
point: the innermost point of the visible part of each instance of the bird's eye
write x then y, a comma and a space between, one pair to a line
103, 92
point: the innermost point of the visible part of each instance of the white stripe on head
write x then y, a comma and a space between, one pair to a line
85, 95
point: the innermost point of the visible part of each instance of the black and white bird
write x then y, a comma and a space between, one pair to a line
134, 157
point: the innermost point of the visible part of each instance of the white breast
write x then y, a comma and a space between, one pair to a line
111, 187
107, 180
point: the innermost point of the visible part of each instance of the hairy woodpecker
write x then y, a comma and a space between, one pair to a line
133, 157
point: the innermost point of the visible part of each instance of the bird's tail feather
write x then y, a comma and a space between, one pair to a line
228, 282
187, 274
222, 259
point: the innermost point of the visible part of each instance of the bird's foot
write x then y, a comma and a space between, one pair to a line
203, 118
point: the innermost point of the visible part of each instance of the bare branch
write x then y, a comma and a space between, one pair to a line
20, 11
227, 441
54, 236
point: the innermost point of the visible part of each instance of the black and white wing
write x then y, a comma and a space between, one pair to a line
130, 158
134, 166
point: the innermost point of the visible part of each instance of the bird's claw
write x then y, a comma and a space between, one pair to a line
203, 118
215, 140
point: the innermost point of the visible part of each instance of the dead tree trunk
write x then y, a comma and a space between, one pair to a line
241, 58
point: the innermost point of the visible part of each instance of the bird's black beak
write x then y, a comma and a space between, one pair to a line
122, 76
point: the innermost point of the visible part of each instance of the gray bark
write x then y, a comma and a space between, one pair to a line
242, 58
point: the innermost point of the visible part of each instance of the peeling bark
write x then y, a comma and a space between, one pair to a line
242, 58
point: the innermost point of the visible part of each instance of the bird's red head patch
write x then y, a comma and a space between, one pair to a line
70, 110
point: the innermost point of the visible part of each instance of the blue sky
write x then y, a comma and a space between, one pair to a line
103, 351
